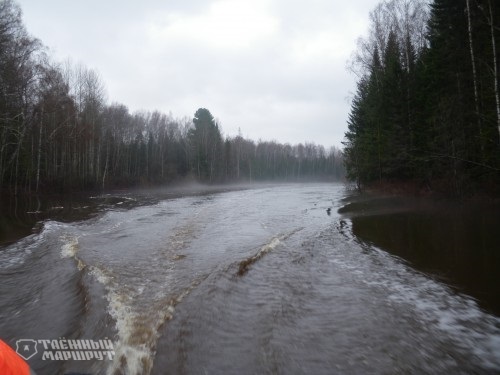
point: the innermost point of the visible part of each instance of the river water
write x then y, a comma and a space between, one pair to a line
254, 281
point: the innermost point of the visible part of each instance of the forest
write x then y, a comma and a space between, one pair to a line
59, 133
427, 106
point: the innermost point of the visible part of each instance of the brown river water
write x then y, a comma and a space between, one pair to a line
254, 281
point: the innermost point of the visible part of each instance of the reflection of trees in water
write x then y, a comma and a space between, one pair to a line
457, 243
21, 213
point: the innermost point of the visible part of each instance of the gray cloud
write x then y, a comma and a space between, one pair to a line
275, 69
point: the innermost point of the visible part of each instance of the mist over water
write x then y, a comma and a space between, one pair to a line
260, 280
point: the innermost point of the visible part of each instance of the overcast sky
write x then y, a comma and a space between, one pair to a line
274, 68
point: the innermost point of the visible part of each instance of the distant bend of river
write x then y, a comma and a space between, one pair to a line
261, 280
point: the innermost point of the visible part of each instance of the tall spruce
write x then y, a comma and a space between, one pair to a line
436, 122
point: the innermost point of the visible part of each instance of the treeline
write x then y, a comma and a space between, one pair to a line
427, 104
58, 132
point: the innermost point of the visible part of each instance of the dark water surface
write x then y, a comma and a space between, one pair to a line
457, 242
23, 214
261, 280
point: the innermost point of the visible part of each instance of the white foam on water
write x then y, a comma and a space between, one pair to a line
271, 245
137, 328
119, 308
17, 253
268, 247
457, 316
70, 247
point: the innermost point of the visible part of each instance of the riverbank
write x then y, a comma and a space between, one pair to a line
437, 189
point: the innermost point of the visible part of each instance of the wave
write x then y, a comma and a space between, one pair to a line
17, 253
70, 248
457, 316
246, 263
138, 329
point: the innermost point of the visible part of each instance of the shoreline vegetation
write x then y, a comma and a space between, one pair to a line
409, 130
426, 114
435, 191
58, 132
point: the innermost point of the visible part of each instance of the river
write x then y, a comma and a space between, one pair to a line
249, 281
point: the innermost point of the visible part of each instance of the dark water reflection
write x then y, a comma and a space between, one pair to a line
19, 214
457, 242
23, 214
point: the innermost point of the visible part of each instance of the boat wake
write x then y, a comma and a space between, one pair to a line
245, 264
